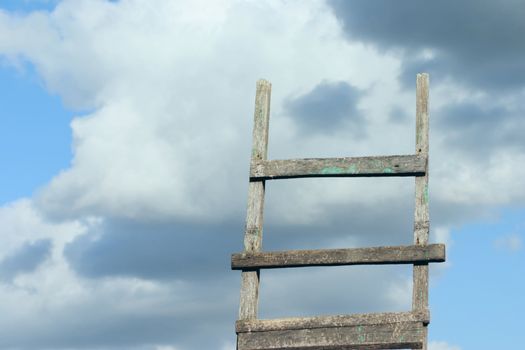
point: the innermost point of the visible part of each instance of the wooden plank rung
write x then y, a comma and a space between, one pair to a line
412, 254
243, 326
397, 335
404, 165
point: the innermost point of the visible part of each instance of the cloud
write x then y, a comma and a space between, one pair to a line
511, 243
26, 259
23, 226
109, 312
335, 290
476, 94
169, 100
147, 152
326, 108
171, 250
480, 129
476, 43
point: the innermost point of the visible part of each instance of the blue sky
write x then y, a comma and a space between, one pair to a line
35, 134
125, 137
481, 285
25, 6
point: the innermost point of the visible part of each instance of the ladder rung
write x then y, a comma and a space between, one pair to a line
412, 254
243, 326
398, 335
405, 165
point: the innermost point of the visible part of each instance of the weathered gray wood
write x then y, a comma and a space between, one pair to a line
334, 257
281, 324
421, 212
254, 217
404, 165
379, 336
421, 217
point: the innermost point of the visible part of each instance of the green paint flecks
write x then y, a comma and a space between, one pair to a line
360, 337
387, 171
331, 170
334, 170
425, 194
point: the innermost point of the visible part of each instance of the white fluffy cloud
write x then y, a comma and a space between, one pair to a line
170, 86
169, 90
22, 222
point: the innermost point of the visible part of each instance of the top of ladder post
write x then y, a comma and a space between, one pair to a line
261, 120
422, 83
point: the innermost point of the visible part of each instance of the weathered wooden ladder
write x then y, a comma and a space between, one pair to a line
394, 330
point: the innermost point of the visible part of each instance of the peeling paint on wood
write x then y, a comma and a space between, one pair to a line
332, 170
403, 165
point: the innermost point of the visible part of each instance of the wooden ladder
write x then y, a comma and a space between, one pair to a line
394, 330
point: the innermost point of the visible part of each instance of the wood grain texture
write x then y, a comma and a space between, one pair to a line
379, 336
421, 212
336, 257
244, 326
254, 217
400, 165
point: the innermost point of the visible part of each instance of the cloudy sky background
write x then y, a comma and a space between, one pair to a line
125, 131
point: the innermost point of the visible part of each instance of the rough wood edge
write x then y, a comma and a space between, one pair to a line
335, 257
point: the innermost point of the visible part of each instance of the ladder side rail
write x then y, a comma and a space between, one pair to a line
249, 298
421, 212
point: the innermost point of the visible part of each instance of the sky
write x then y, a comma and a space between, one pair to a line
125, 134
